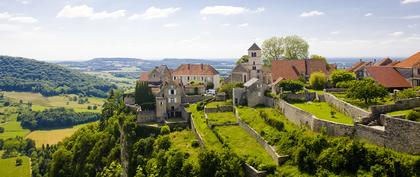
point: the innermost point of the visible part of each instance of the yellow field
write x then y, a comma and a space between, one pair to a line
40, 102
52, 136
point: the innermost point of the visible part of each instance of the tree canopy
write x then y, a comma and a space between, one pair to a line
243, 59
289, 47
342, 76
366, 89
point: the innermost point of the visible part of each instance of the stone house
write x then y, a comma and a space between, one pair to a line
410, 69
156, 77
169, 100
253, 94
204, 73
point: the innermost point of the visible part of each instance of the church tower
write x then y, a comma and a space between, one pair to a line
255, 62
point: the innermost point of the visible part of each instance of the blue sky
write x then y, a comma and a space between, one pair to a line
153, 29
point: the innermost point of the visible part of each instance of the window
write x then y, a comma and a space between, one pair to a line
172, 92
161, 103
253, 54
188, 78
172, 100
254, 68
174, 77
418, 70
244, 78
253, 63
202, 78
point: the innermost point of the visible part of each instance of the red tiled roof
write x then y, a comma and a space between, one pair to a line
383, 62
195, 69
144, 76
292, 69
410, 61
387, 77
358, 66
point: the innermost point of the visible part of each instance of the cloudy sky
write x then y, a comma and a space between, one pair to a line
154, 29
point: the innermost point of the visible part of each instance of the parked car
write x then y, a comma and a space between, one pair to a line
211, 92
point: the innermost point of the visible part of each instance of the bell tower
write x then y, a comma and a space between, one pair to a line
255, 61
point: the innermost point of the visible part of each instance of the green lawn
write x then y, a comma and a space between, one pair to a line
8, 167
221, 118
323, 110
182, 140
244, 144
12, 128
214, 104
208, 136
399, 113
362, 104
40, 102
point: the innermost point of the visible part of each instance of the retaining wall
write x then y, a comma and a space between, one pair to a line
194, 98
147, 116
370, 134
308, 96
197, 135
402, 135
252, 172
377, 110
335, 89
352, 111
218, 109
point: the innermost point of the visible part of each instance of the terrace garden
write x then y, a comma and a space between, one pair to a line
221, 118
409, 114
362, 104
216, 104
323, 110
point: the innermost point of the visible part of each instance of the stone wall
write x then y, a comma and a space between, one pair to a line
377, 110
402, 135
147, 116
335, 89
308, 96
332, 128
372, 135
197, 135
352, 111
218, 109
252, 172
294, 115
194, 98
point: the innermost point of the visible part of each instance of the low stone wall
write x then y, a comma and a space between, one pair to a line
194, 98
303, 118
147, 116
308, 96
335, 89
218, 109
197, 135
402, 135
370, 134
377, 110
355, 112
252, 172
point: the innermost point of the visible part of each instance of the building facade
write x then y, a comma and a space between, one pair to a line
205, 73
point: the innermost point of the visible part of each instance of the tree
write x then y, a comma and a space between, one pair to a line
228, 88
366, 89
164, 130
295, 48
291, 85
319, 57
318, 80
19, 161
144, 96
243, 59
342, 76
407, 93
272, 49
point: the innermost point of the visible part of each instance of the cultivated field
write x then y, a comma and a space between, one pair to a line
40, 102
12, 128
8, 167
52, 136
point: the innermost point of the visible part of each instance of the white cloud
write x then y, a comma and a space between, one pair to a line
153, 12
24, 2
9, 27
397, 33
335, 32
243, 25
17, 18
134, 17
85, 11
311, 13
226, 24
368, 14
409, 1
170, 25
228, 10
411, 17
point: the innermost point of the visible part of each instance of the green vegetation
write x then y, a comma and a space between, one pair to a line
55, 118
243, 59
143, 96
341, 76
291, 85
8, 167
26, 75
409, 114
325, 111
221, 118
318, 80
40, 103
407, 93
215, 104
227, 88
361, 104
185, 141
289, 47
12, 128
366, 90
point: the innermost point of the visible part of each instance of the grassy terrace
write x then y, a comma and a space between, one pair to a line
182, 140
362, 104
221, 118
214, 104
8, 167
399, 113
323, 110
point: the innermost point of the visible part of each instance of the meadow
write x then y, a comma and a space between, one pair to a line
12, 127
8, 167
325, 111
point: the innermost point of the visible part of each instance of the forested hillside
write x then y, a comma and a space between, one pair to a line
21, 74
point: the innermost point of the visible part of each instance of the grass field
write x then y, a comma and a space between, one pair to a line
12, 128
215, 104
221, 117
182, 140
8, 167
362, 104
40, 102
323, 110
52, 136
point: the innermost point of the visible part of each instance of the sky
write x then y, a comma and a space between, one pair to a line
56, 30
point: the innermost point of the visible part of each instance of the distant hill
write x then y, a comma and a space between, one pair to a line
21, 74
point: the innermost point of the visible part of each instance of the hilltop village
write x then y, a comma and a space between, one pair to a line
374, 101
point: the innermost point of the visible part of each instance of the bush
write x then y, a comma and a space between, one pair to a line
291, 85
195, 143
406, 93
413, 115
19, 161
338, 76
344, 84
228, 88
1, 129
164, 130
272, 122
318, 80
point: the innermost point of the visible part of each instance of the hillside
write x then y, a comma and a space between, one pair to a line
21, 74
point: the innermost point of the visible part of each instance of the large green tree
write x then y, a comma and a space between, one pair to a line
144, 96
366, 89
342, 76
272, 49
295, 48
243, 59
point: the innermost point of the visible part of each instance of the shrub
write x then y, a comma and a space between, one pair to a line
228, 88
406, 93
291, 85
19, 161
318, 80
1, 129
338, 76
195, 143
344, 84
164, 130
413, 115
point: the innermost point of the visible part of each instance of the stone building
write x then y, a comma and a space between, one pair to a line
253, 94
410, 69
169, 100
156, 77
204, 73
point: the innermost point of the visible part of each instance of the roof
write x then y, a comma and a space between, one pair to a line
410, 61
144, 76
383, 62
387, 76
195, 69
358, 66
254, 47
250, 82
239, 68
293, 69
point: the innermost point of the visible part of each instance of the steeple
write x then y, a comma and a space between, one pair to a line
254, 47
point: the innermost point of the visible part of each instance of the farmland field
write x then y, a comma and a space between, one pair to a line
12, 128
40, 102
8, 167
